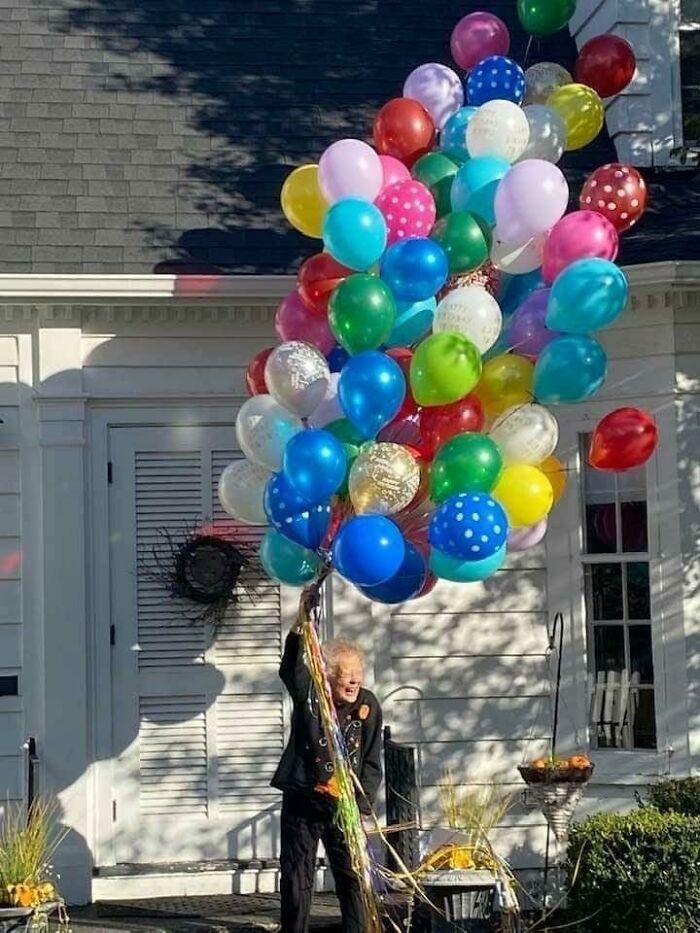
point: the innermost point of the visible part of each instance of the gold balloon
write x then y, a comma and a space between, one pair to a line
383, 479
302, 202
506, 381
555, 471
582, 111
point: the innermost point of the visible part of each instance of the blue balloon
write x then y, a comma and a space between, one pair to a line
470, 525
368, 550
587, 295
495, 78
569, 369
292, 516
354, 233
474, 186
287, 562
412, 323
453, 136
371, 390
516, 288
315, 463
406, 583
465, 571
414, 269
337, 358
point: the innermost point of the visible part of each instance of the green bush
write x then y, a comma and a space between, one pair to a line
681, 796
635, 873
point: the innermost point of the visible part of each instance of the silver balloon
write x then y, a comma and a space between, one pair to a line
241, 491
263, 428
543, 78
547, 134
525, 434
297, 376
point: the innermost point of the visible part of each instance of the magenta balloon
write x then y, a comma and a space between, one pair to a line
438, 88
294, 321
528, 334
393, 171
349, 168
530, 199
477, 36
579, 235
520, 539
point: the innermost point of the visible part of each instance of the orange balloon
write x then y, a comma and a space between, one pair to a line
506, 381
555, 471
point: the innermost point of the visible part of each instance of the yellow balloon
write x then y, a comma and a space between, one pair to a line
384, 479
506, 381
525, 493
302, 202
555, 471
581, 109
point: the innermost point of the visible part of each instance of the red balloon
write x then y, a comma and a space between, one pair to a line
255, 373
607, 64
441, 422
623, 439
403, 128
616, 191
317, 278
409, 408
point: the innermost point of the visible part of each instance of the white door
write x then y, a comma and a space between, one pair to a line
198, 723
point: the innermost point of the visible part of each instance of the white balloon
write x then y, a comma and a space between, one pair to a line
543, 78
329, 409
498, 128
263, 428
547, 134
525, 433
241, 491
297, 376
517, 260
472, 311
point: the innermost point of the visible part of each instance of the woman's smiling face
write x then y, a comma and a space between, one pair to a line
346, 678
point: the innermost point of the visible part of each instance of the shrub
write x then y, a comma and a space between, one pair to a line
635, 873
682, 796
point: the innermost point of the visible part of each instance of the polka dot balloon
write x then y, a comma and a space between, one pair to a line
408, 208
470, 525
616, 191
495, 78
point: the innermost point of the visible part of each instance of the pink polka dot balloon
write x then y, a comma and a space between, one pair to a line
408, 208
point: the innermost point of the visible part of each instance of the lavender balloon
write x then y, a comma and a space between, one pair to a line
520, 539
528, 334
438, 88
532, 197
349, 168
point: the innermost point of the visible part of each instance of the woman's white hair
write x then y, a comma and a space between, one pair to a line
339, 648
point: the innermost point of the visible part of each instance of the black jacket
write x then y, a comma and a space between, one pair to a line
305, 761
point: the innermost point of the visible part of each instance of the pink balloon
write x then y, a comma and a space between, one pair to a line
520, 539
394, 170
530, 199
349, 168
294, 321
408, 208
477, 36
438, 88
329, 409
579, 235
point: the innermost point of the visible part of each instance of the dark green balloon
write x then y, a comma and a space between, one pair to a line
466, 240
352, 441
361, 312
543, 17
437, 171
465, 463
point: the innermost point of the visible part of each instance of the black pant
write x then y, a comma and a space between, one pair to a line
306, 819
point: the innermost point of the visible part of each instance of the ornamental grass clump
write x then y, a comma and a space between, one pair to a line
27, 845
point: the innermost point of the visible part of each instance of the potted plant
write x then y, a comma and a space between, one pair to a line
556, 785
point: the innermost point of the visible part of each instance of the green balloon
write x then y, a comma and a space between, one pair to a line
465, 463
543, 17
445, 367
437, 171
352, 441
466, 240
287, 561
361, 312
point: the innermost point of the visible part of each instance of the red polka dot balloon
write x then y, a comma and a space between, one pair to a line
408, 208
616, 191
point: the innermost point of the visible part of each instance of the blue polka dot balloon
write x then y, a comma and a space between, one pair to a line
495, 78
470, 525
291, 515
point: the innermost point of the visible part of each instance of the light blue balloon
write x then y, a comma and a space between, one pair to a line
516, 288
465, 571
453, 136
413, 322
354, 233
286, 561
587, 295
495, 78
474, 186
569, 369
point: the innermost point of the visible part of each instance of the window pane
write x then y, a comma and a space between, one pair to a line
633, 517
605, 592
640, 653
690, 11
609, 648
643, 718
690, 85
601, 529
638, 596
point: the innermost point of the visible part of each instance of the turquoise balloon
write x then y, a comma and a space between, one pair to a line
412, 323
465, 571
474, 186
453, 136
569, 369
587, 295
286, 561
354, 233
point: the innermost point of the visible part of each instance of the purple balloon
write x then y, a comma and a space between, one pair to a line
528, 334
520, 539
438, 88
530, 199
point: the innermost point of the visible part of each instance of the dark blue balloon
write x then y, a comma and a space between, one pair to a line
337, 358
315, 463
414, 269
470, 525
292, 516
406, 582
516, 288
569, 369
495, 78
371, 390
368, 550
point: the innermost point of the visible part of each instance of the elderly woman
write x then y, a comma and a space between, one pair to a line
305, 777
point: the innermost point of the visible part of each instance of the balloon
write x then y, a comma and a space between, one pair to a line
527, 330
506, 380
623, 439
543, 17
569, 369
582, 111
555, 472
371, 391
520, 539
349, 168
471, 311
329, 408
441, 422
263, 428
368, 550
465, 238
525, 434
477, 35
518, 259
404, 129
241, 488
437, 170
498, 129
465, 571
315, 464
470, 525
543, 78
354, 233
474, 186
337, 358
465, 463
587, 295
414, 269
408, 209
525, 493
255, 373
530, 199
318, 276
297, 376
412, 323
351, 440
453, 136
516, 289
303, 203
578, 235
406, 583
616, 191
607, 64
361, 312
295, 321
437, 88
394, 171
445, 367
287, 562
384, 478
495, 78
292, 516
547, 134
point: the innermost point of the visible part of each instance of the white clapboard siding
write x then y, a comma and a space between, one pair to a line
450, 634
